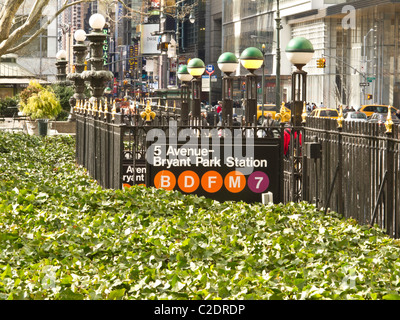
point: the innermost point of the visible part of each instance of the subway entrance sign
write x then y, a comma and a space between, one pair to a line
220, 169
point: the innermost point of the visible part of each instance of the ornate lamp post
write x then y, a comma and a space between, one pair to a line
251, 59
80, 51
299, 52
180, 19
61, 65
185, 77
97, 75
196, 68
227, 63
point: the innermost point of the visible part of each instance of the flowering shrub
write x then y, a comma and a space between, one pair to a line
38, 102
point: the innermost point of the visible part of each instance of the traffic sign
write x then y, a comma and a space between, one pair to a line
210, 69
364, 84
370, 79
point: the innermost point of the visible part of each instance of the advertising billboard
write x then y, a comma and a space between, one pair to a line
148, 43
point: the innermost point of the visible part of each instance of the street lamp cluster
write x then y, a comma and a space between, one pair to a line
251, 59
299, 52
169, 46
96, 76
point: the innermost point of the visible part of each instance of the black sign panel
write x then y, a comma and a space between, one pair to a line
133, 173
220, 169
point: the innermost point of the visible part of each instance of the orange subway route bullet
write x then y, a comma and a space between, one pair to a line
235, 181
211, 181
165, 180
188, 181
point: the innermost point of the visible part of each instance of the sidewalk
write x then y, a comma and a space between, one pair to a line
22, 125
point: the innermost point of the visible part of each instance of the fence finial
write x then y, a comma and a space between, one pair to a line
304, 114
147, 114
284, 114
100, 107
174, 105
389, 122
105, 108
114, 110
95, 108
340, 118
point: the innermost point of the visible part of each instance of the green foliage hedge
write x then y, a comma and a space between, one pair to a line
8, 106
63, 237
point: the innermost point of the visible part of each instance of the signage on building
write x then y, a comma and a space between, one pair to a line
132, 58
154, 4
148, 43
105, 46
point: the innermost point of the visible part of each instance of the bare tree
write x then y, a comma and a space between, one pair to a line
10, 36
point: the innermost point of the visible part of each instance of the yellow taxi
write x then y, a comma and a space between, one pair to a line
370, 109
326, 113
273, 110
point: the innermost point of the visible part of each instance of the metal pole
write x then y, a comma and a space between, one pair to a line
209, 92
263, 83
278, 57
365, 64
177, 46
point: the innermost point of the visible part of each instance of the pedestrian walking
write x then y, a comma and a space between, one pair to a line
219, 110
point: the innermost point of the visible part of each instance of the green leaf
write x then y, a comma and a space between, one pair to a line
116, 294
6, 273
391, 297
68, 294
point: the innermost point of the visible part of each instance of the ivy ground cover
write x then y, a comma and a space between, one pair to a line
64, 237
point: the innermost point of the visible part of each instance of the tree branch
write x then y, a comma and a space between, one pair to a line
6, 45
7, 14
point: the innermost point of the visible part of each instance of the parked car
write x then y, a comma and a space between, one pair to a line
326, 113
268, 108
370, 109
381, 118
355, 116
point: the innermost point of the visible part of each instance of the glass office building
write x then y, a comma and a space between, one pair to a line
362, 66
252, 24
360, 41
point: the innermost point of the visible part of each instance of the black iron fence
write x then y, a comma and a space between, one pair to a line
353, 170
112, 146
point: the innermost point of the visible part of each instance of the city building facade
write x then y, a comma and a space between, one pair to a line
361, 65
360, 41
39, 56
